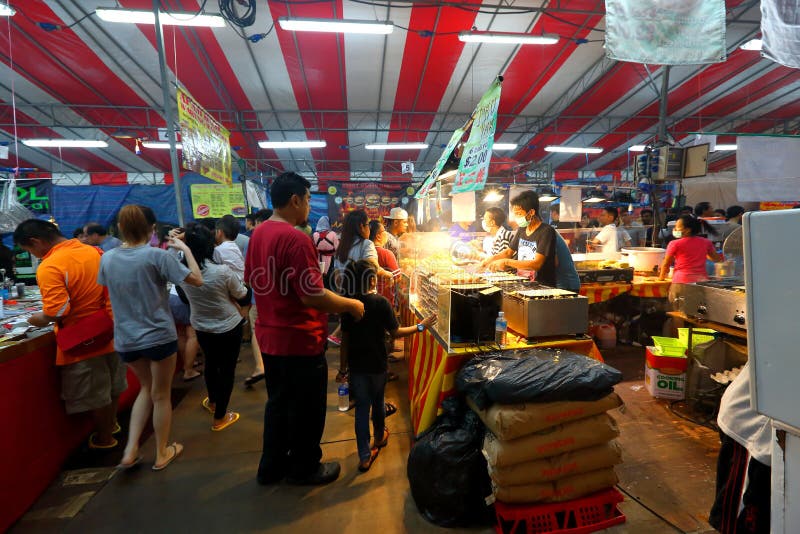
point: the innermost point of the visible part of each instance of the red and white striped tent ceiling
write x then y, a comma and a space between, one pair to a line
92, 79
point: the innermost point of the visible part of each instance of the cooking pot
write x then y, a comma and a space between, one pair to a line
644, 259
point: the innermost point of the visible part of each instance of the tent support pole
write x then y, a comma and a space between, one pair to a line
662, 108
173, 151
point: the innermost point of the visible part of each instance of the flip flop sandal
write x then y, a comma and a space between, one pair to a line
94, 446
250, 380
390, 409
365, 465
207, 405
230, 418
177, 452
125, 467
189, 378
385, 441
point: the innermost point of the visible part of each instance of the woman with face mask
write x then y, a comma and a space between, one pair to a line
689, 252
499, 236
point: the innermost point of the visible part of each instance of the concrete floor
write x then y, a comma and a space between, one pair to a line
212, 488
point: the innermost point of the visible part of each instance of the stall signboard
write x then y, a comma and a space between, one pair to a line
35, 195
206, 143
211, 200
473, 169
376, 198
427, 185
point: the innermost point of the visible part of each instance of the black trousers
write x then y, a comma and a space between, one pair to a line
733, 466
221, 352
294, 417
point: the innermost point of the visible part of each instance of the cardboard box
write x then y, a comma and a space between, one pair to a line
665, 385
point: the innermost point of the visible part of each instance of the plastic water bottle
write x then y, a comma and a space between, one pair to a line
344, 397
501, 330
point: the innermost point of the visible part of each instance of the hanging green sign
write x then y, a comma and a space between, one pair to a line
473, 169
427, 185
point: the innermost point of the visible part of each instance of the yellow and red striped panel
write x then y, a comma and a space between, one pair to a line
432, 372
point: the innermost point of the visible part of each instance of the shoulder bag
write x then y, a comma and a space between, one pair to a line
88, 333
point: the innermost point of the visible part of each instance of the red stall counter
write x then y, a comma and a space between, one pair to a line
38, 435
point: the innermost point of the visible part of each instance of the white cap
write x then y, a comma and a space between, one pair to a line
397, 213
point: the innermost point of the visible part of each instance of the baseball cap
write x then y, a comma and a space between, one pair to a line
397, 213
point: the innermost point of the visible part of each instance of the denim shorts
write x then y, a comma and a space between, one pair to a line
155, 354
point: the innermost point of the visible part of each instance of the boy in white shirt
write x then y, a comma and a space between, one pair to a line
226, 252
610, 237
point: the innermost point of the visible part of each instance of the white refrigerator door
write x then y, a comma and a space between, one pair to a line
772, 278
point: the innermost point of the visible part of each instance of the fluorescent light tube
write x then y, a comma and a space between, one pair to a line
573, 149
292, 144
752, 44
160, 144
507, 38
636, 148
137, 16
724, 147
336, 26
547, 198
64, 143
594, 200
504, 146
6, 10
396, 146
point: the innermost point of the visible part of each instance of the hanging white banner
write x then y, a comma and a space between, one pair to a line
666, 32
780, 32
768, 168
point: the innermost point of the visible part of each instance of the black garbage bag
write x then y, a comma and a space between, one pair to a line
447, 472
535, 375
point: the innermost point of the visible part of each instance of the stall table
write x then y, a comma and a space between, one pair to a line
739, 333
642, 286
432, 368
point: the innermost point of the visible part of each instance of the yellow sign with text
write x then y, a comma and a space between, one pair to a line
209, 200
206, 143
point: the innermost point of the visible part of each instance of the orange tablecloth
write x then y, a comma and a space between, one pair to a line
641, 287
432, 371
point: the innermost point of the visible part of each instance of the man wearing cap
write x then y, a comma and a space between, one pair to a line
396, 226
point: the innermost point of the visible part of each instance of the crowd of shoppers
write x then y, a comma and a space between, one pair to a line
168, 291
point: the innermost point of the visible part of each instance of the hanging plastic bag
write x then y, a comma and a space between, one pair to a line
11, 211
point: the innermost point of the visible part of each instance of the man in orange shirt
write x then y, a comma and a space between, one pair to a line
93, 379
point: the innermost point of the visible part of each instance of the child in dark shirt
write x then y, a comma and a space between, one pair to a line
364, 355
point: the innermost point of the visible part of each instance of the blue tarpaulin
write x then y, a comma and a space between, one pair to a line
74, 206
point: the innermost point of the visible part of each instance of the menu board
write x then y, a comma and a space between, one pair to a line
209, 200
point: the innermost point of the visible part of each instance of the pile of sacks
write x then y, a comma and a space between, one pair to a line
550, 452
549, 438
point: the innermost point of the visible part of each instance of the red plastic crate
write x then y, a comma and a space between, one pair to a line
578, 516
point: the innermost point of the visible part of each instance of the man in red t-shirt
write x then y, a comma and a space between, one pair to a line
292, 328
